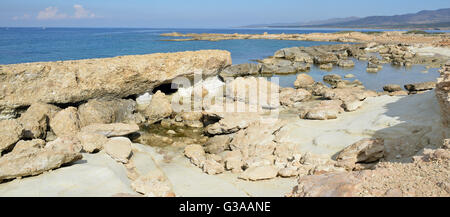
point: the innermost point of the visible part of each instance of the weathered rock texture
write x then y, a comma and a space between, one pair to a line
35, 160
443, 95
76, 81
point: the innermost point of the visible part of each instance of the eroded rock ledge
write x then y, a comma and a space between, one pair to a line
75, 81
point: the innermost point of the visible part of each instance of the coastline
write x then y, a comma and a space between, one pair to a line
92, 114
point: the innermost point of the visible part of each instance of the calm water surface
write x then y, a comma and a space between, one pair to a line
19, 45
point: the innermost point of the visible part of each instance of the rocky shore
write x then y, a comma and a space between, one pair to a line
391, 37
131, 126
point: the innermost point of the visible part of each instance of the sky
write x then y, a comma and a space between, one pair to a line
195, 13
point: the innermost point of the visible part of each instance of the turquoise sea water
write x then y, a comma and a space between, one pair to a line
19, 45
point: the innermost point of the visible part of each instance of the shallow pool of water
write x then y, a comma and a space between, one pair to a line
390, 74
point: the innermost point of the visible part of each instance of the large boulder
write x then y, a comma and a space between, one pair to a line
65, 122
325, 59
75, 81
34, 161
290, 96
35, 120
92, 142
159, 108
119, 148
364, 151
320, 110
106, 111
10, 132
303, 81
218, 144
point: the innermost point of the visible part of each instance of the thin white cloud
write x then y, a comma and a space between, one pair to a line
23, 17
82, 13
51, 13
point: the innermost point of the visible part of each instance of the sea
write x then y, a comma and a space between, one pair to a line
21, 45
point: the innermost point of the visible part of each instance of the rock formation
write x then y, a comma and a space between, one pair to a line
80, 80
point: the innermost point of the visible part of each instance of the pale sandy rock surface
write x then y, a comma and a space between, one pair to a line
391, 118
34, 161
95, 176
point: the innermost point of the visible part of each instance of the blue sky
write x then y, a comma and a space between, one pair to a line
195, 13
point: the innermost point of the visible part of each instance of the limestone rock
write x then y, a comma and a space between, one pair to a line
106, 111
351, 97
420, 86
325, 59
92, 142
65, 122
320, 110
65, 144
25, 145
119, 148
303, 80
259, 173
34, 161
302, 67
159, 108
120, 77
290, 96
345, 63
111, 130
35, 120
241, 70
233, 161
196, 154
255, 91
212, 165
10, 132
332, 79
154, 184
190, 119
327, 185
392, 88
327, 66
143, 101
399, 93
218, 144
364, 151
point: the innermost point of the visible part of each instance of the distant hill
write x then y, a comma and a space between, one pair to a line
316, 22
426, 19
